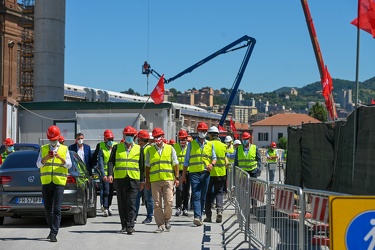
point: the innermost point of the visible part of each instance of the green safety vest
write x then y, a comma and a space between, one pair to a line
199, 158
5, 155
247, 162
53, 169
106, 155
220, 166
230, 150
271, 153
180, 155
127, 164
161, 167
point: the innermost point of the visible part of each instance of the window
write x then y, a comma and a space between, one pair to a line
279, 135
262, 136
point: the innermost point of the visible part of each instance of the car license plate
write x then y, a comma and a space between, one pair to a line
30, 200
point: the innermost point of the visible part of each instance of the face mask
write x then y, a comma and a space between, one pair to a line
245, 142
10, 149
129, 139
80, 141
202, 135
110, 143
53, 143
158, 140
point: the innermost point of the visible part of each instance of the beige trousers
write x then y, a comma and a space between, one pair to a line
162, 191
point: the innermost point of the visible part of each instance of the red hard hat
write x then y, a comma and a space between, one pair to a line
8, 142
246, 136
171, 142
108, 134
157, 132
273, 145
182, 134
129, 130
202, 126
61, 139
143, 134
53, 133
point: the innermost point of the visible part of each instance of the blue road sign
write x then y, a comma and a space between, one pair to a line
361, 232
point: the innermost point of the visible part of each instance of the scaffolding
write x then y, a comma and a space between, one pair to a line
27, 51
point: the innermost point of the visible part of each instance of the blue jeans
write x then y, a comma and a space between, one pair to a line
53, 197
199, 184
107, 189
149, 203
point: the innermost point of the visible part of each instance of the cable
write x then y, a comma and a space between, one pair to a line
44, 117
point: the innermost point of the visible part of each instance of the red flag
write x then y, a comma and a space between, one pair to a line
327, 84
158, 93
366, 16
221, 129
372, 101
233, 128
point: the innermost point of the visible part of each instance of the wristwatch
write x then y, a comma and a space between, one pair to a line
177, 178
213, 164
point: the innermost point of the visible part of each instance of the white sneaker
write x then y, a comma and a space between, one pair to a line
110, 210
105, 213
159, 230
197, 221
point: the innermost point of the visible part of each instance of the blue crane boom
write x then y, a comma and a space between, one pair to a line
250, 43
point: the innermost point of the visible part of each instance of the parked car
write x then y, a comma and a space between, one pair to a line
26, 146
21, 188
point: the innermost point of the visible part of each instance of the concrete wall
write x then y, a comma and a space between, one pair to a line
49, 50
272, 131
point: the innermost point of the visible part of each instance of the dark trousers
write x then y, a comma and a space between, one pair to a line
183, 193
126, 192
215, 190
107, 193
52, 198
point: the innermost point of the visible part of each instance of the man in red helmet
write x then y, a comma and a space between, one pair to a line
53, 162
125, 173
272, 156
104, 150
183, 189
200, 158
143, 141
161, 174
8, 149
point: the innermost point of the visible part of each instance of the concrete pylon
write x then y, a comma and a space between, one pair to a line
49, 46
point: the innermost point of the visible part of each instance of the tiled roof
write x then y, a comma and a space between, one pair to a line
286, 120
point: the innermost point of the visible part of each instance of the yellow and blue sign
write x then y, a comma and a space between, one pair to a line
352, 222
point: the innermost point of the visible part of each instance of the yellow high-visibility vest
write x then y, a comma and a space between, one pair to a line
106, 155
220, 166
199, 158
247, 162
180, 155
53, 169
161, 166
127, 164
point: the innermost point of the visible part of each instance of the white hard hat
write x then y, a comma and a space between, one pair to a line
213, 129
237, 142
228, 138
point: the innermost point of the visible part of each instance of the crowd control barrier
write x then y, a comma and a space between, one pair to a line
276, 216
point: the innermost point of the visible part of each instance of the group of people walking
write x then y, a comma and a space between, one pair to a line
143, 161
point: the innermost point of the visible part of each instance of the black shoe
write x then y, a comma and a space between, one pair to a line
130, 230
207, 219
49, 236
123, 230
53, 238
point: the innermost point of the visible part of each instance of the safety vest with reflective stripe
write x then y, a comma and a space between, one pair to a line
230, 150
53, 169
271, 153
220, 166
106, 155
127, 164
199, 158
247, 162
5, 155
161, 167
180, 155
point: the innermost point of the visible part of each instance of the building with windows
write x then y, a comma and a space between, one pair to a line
273, 128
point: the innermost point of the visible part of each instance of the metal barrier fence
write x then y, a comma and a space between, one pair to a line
276, 216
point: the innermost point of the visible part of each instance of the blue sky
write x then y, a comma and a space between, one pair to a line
107, 43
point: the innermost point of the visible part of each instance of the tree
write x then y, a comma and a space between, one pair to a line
282, 143
318, 111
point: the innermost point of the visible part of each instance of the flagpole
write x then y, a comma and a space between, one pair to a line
356, 95
141, 110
